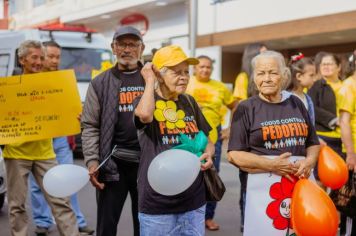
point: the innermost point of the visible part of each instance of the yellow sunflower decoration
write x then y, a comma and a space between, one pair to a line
167, 111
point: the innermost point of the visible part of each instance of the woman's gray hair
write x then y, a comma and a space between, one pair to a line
163, 70
26, 45
283, 68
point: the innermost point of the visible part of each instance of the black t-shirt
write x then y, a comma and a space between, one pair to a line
266, 128
155, 138
132, 86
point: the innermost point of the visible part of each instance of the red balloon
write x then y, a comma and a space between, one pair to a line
312, 211
332, 169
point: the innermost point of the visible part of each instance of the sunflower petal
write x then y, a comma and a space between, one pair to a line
180, 124
180, 114
160, 104
158, 114
172, 105
170, 125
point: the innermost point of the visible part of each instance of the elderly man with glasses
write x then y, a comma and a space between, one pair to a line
108, 129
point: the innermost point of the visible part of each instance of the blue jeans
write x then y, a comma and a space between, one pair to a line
41, 212
211, 206
189, 223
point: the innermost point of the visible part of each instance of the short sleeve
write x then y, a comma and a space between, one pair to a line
241, 84
347, 99
312, 138
136, 119
228, 98
240, 129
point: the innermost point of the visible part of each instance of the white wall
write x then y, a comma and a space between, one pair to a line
241, 14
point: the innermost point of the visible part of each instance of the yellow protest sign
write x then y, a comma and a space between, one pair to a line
104, 66
39, 106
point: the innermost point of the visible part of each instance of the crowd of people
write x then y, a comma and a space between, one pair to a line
279, 110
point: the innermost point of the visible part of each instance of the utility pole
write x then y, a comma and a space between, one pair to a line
193, 25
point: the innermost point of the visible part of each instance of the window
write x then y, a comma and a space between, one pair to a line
4, 64
84, 61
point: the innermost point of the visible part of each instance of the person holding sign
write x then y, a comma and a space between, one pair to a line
40, 210
35, 157
267, 132
108, 128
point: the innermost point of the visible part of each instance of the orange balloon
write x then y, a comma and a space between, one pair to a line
312, 211
332, 169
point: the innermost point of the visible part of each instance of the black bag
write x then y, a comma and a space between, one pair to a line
214, 187
345, 197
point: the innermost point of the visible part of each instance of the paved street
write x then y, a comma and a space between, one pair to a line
227, 214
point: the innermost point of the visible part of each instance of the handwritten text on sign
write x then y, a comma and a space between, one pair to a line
38, 106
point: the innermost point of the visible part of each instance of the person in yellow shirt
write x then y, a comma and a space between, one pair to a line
348, 126
243, 88
210, 95
326, 98
35, 157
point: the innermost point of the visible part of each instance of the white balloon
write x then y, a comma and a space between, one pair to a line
64, 180
173, 171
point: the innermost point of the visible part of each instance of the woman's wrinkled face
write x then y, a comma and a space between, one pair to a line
267, 76
328, 67
307, 78
176, 78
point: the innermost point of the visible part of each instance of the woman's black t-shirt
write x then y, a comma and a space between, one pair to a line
265, 128
158, 136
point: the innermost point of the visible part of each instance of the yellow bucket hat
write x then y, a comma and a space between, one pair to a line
170, 56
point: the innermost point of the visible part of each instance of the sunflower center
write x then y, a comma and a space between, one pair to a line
170, 114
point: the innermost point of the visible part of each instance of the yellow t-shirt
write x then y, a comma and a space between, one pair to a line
210, 96
336, 86
241, 85
34, 150
348, 104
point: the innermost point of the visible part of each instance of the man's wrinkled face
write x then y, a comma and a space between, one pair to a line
52, 58
128, 50
33, 61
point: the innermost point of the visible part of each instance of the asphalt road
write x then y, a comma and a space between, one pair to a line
227, 213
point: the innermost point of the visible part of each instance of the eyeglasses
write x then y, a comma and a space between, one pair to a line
122, 45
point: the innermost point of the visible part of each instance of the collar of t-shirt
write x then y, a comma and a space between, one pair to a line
115, 70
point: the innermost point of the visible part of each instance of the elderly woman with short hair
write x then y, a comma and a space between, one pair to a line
272, 126
161, 114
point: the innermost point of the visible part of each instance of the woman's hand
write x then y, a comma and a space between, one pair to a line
148, 73
303, 168
206, 161
351, 161
282, 166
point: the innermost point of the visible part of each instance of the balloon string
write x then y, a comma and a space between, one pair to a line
106, 159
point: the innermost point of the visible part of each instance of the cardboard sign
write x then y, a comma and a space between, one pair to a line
39, 106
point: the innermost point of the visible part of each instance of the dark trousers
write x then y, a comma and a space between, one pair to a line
211, 206
112, 198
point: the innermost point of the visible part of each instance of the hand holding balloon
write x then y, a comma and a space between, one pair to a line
93, 177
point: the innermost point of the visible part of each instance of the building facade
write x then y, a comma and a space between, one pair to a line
225, 27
